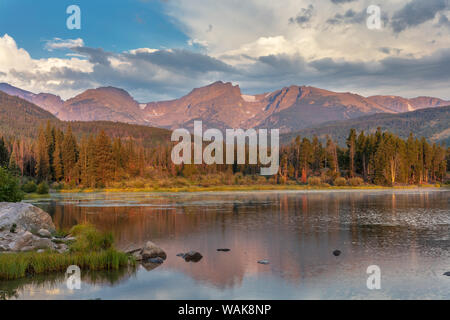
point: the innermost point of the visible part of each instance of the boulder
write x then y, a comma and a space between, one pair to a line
25, 216
42, 243
23, 240
447, 274
193, 256
151, 250
44, 233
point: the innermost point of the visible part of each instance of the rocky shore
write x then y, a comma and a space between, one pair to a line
24, 227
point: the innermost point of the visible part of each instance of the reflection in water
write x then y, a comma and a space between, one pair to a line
405, 232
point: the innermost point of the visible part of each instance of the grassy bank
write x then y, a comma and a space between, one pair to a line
19, 265
31, 196
244, 188
91, 251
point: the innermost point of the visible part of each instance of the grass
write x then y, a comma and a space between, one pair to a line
19, 265
32, 196
264, 187
92, 251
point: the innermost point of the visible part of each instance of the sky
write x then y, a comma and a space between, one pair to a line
162, 49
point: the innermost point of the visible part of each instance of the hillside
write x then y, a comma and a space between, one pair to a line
20, 118
431, 123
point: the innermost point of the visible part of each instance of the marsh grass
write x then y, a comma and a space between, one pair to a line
92, 251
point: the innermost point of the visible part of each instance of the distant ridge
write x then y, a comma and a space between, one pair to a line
222, 105
431, 123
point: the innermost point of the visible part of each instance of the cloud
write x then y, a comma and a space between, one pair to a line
417, 12
349, 17
303, 17
57, 43
342, 1
443, 21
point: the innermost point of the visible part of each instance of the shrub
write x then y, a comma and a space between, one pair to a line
9, 187
29, 187
340, 182
42, 188
314, 181
356, 182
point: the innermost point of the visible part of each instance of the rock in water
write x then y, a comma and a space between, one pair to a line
336, 253
25, 216
263, 262
192, 256
447, 274
151, 250
223, 250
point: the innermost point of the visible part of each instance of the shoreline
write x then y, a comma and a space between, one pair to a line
193, 189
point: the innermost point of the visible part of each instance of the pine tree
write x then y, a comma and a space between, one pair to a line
69, 154
104, 159
42, 159
4, 154
351, 144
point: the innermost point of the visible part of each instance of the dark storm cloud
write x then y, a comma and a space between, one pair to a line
95, 55
304, 16
182, 61
417, 12
275, 71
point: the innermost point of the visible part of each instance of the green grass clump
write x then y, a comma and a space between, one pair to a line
19, 265
92, 250
90, 239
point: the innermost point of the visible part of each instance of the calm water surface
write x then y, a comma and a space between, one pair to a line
406, 233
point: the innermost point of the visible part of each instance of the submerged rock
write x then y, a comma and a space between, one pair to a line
192, 256
336, 253
24, 216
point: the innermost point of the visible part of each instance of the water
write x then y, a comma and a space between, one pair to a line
405, 232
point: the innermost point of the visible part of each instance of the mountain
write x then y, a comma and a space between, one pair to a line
399, 104
19, 117
431, 123
106, 103
222, 105
46, 101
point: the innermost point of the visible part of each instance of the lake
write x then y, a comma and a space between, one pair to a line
404, 232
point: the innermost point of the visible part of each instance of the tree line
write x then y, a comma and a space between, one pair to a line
98, 160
